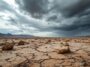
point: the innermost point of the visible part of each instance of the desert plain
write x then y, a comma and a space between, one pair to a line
45, 52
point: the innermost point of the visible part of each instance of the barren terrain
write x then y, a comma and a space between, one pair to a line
46, 52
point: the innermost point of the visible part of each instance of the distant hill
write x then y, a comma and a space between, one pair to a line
22, 36
8, 35
2, 34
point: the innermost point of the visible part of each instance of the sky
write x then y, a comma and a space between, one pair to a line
46, 18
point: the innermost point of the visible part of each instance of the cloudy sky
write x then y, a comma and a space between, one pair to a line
45, 17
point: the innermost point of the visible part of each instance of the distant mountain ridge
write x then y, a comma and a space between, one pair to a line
8, 35
2, 34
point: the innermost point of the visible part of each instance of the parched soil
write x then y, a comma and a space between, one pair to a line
41, 53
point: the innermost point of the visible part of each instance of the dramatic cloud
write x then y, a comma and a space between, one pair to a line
71, 7
35, 7
46, 17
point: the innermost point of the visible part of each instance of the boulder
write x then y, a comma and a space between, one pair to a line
7, 46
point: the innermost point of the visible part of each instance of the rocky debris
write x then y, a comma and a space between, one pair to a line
21, 42
7, 46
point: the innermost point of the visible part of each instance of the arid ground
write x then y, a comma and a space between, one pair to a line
45, 52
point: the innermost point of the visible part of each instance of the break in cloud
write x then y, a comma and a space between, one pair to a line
45, 17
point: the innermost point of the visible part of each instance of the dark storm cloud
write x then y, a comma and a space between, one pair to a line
59, 17
79, 9
67, 7
74, 17
34, 7
79, 22
71, 7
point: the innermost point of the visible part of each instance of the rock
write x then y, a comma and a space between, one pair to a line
0, 65
1, 44
21, 43
7, 46
64, 49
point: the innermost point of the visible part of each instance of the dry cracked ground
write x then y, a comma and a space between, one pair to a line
45, 53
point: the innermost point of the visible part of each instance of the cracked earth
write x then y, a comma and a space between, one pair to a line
41, 53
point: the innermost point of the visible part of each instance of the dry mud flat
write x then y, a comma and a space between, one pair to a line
46, 55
